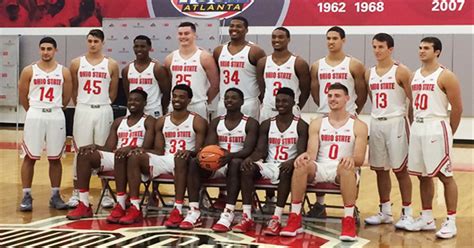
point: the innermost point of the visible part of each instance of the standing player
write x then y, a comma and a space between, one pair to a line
95, 82
237, 61
282, 69
336, 148
147, 74
237, 133
45, 87
281, 139
337, 67
194, 67
434, 89
178, 137
126, 134
389, 88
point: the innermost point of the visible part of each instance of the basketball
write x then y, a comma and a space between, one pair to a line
209, 157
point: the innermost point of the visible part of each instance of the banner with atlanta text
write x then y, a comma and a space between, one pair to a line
90, 13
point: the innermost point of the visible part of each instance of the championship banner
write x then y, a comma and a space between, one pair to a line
10, 49
91, 13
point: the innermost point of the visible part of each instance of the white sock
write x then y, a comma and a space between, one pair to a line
135, 202
278, 212
452, 217
26, 191
179, 206
386, 208
194, 206
296, 208
247, 209
84, 197
427, 214
54, 191
230, 207
320, 199
407, 211
349, 211
121, 198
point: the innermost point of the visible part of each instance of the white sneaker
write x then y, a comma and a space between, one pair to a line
224, 222
421, 224
448, 229
107, 201
193, 219
404, 221
74, 200
380, 218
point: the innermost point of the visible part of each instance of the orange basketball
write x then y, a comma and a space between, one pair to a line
209, 157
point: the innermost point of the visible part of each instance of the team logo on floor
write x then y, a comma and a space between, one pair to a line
211, 8
96, 232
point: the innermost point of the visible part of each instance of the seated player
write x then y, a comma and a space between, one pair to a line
281, 139
237, 133
178, 137
336, 148
126, 134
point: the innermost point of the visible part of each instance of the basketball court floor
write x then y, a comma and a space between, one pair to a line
47, 227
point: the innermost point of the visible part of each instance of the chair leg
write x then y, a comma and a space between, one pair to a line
259, 203
102, 194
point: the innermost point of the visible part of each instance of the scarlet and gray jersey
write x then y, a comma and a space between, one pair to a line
328, 75
428, 99
46, 88
232, 140
146, 81
131, 136
282, 145
278, 76
236, 71
388, 97
335, 143
179, 137
190, 72
93, 82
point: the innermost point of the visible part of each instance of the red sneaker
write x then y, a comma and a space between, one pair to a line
293, 227
224, 222
80, 212
133, 215
245, 225
116, 213
192, 220
175, 219
273, 227
348, 232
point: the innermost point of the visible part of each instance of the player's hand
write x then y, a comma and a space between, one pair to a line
287, 166
87, 149
247, 164
184, 154
347, 163
136, 151
302, 160
226, 158
122, 152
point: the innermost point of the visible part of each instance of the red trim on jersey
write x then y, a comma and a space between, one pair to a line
396, 62
403, 165
296, 118
222, 117
377, 168
407, 129
414, 173
244, 117
352, 116
446, 141
273, 118
440, 165
59, 155
28, 153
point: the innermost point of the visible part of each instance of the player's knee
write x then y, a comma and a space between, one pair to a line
346, 172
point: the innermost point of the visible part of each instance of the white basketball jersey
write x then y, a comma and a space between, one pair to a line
190, 72
46, 88
146, 81
282, 145
93, 82
232, 140
335, 144
329, 75
388, 97
236, 71
179, 137
428, 99
278, 76
131, 136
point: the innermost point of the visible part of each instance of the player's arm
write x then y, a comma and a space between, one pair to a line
302, 72
255, 54
360, 144
260, 79
114, 78
150, 133
450, 85
212, 73
313, 144
358, 70
200, 128
211, 137
125, 82
302, 130
24, 86
403, 76
250, 140
367, 78
67, 87
159, 141
216, 54
74, 68
315, 82
164, 82
261, 150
